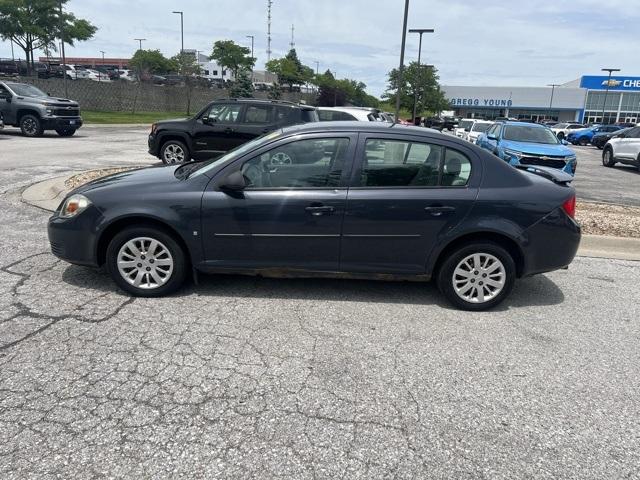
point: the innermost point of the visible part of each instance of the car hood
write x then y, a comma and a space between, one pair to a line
142, 177
581, 131
61, 102
537, 148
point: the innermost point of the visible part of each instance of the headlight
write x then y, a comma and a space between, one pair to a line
74, 205
512, 153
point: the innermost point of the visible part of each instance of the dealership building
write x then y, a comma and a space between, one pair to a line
581, 100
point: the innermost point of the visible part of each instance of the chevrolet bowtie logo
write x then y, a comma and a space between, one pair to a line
611, 83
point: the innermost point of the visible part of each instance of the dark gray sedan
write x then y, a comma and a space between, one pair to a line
365, 200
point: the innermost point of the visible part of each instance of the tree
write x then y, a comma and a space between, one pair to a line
230, 55
422, 80
187, 65
333, 92
274, 92
149, 62
290, 70
242, 87
35, 24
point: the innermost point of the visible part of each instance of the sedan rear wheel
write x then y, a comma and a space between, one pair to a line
146, 262
477, 276
583, 142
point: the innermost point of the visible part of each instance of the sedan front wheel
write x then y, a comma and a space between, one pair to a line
146, 262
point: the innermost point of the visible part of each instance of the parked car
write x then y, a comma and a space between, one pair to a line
25, 106
436, 123
1, 121
623, 148
477, 129
521, 143
561, 130
583, 136
8, 68
222, 126
462, 127
377, 202
599, 140
333, 114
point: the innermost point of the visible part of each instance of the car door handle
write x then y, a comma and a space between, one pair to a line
319, 210
437, 210
228, 130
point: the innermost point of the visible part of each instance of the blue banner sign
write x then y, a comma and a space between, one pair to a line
480, 102
616, 83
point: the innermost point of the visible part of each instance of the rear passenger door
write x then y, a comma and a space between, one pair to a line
406, 192
256, 120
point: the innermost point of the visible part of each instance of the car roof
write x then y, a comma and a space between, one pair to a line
529, 124
264, 101
368, 127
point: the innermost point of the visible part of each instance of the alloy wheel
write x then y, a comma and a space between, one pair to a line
173, 153
479, 278
145, 263
29, 126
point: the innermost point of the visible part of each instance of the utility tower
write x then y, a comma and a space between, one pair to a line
269, 5
293, 43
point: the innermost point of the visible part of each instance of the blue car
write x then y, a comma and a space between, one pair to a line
520, 143
585, 135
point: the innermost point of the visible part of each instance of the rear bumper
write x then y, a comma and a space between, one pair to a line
550, 244
52, 123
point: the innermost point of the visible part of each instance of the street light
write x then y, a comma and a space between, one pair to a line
317, 67
401, 68
100, 71
181, 30
140, 40
553, 89
419, 31
252, 37
64, 59
606, 94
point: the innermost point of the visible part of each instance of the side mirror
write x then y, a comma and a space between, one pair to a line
468, 129
234, 182
491, 136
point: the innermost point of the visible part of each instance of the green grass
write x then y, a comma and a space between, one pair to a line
91, 116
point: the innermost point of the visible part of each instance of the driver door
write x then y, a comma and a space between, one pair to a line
290, 213
215, 130
5, 105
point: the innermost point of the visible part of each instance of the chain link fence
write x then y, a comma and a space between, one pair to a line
125, 96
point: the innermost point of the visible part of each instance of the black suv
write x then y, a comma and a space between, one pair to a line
222, 126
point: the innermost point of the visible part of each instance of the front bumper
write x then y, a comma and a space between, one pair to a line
52, 123
566, 164
73, 239
153, 145
551, 243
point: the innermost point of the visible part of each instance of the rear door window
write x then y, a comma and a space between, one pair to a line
259, 114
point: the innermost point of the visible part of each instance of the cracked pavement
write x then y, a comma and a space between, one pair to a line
245, 377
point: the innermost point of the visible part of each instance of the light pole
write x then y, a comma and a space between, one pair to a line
100, 71
553, 89
401, 68
140, 40
64, 59
252, 37
420, 31
181, 30
606, 93
317, 67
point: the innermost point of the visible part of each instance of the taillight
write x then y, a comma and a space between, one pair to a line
570, 207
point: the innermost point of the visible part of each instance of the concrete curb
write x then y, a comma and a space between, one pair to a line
49, 193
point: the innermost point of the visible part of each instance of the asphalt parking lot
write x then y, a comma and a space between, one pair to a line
259, 378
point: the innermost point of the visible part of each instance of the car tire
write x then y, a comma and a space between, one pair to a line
65, 132
560, 136
583, 142
607, 158
480, 257
31, 126
174, 151
130, 262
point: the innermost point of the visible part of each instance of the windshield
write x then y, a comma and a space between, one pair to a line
481, 127
465, 123
237, 152
24, 90
531, 134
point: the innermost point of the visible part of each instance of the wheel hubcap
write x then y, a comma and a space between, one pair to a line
479, 278
29, 126
173, 154
145, 263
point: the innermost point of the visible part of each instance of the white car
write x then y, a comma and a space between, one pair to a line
127, 75
96, 76
462, 126
349, 114
623, 148
562, 130
478, 128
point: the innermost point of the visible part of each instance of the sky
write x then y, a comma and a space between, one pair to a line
483, 43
